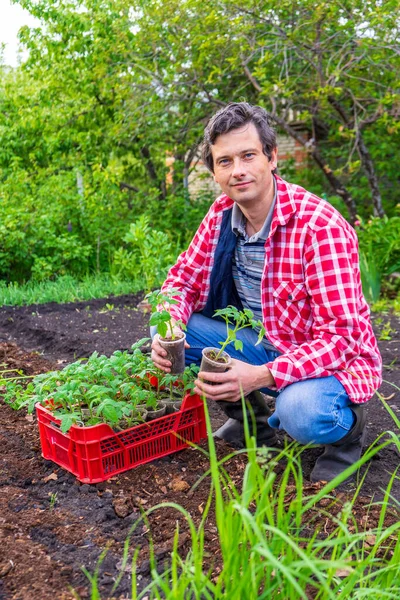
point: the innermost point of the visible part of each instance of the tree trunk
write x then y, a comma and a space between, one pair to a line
368, 165
366, 159
178, 174
151, 170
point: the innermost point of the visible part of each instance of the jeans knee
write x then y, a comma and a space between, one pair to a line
298, 418
314, 411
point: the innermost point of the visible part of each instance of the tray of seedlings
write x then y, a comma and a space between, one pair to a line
105, 415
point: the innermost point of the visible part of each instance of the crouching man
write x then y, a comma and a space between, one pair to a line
292, 259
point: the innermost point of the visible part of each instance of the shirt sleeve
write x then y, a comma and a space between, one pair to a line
191, 269
333, 283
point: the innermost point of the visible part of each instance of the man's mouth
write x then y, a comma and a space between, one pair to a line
241, 184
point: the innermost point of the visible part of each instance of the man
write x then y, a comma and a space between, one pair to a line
292, 259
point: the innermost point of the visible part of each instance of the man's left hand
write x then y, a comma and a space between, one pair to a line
241, 378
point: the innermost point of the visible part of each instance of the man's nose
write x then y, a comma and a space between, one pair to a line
239, 169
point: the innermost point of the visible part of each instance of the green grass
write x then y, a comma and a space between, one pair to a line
272, 541
66, 289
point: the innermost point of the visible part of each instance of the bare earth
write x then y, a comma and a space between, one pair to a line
51, 525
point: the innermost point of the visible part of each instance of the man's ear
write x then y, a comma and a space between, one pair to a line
274, 159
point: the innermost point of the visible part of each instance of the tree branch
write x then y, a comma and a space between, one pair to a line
127, 186
366, 159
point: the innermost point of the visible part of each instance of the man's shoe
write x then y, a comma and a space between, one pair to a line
344, 453
233, 430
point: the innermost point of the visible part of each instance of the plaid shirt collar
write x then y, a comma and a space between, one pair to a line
285, 206
239, 222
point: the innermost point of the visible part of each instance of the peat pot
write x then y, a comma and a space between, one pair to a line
175, 351
156, 413
172, 403
210, 365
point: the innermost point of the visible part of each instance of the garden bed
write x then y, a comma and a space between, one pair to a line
51, 524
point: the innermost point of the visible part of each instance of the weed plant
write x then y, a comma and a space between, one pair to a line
147, 254
385, 305
272, 544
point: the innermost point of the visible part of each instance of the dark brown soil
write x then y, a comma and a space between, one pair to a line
51, 525
212, 355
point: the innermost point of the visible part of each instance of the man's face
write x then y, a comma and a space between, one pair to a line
242, 170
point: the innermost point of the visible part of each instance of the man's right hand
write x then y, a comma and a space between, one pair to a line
158, 354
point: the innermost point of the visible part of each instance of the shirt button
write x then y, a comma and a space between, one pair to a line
290, 297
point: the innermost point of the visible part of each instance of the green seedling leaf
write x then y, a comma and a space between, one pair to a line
137, 345
99, 389
238, 345
67, 420
160, 302
161, 320
248, 313
111, 414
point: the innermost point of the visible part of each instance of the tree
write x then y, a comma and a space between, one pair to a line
335, 65
331, 66
114, 87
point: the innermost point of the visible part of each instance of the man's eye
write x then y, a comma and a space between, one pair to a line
223, 162
249, 155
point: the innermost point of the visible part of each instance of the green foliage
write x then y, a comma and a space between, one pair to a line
180, 213
77, 164
385, 305
379, 243
387, 332
16, 394
380, 238
146, 256
102, 123
98, 390
35, 240
371, 278
66, 289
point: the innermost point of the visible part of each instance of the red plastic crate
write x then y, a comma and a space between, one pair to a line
96, 453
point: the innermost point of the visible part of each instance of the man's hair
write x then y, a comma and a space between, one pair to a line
234, 116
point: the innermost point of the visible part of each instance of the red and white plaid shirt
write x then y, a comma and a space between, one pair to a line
314, 311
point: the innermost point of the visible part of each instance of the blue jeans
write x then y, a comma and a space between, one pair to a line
310, 411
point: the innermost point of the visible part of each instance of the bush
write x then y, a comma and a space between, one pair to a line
379, 243
146, 256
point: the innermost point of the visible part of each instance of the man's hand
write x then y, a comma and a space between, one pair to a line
158, 354
241, 378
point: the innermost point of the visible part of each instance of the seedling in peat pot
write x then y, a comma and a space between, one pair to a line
173, 388
170, 338
216, 359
